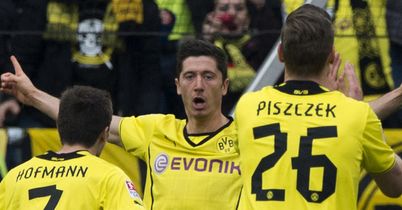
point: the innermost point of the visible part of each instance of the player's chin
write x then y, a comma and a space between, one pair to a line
199, 113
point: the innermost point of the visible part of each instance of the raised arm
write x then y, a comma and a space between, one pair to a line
114, 136
388, 103
21, 87
348, 83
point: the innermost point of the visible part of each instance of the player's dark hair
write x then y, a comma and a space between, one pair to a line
196, 47
307, 39
84, 113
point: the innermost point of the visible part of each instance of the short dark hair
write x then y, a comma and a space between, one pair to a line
307, 40
197, 47
84, 113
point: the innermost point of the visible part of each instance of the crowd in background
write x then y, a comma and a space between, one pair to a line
128, 47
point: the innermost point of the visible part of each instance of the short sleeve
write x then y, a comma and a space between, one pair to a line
120, 193
2, 194
136, 132
378, 157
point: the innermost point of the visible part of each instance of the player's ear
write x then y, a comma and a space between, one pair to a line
104, 135
178, 89
280, 53
225, 86
106, 131
101, 141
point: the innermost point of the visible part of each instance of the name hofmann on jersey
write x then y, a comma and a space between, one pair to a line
52, 172
296, 109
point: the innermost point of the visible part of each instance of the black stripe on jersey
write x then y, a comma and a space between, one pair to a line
52, 156
209, 135
238, 199
295, 87
364, 182
150, 176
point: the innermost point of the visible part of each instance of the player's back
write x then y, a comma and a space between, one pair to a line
76, 180
302, 147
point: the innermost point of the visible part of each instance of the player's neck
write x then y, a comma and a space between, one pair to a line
206, 125
71, 148
320, 79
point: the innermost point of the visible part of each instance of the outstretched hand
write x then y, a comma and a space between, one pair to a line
352, 87
347, 81
18, 84
333, 73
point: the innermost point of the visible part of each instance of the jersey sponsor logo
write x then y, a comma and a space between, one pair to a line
131, 189
225, 144
205, 165
195, 164
161, 163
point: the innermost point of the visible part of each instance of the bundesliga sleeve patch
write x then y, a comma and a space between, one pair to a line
131, 189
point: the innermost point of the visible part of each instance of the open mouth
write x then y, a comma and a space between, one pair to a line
199, 102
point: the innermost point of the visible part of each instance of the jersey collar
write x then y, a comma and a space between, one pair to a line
301, 87
50, 155
208, 135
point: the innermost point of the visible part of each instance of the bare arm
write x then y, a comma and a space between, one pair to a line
114, 135
388, 103
390, 183
45, 103
350, 86
383, 106
21, 87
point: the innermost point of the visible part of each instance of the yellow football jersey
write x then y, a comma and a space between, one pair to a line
303, 147
76, 180
185, 171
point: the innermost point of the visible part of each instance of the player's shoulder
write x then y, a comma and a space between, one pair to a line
105, 168
157, 118
27, 164
98, 162
256, 94
350, 102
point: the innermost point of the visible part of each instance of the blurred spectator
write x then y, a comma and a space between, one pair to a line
394, 27
229, 27
8, 13
9, 107
176, 24
13, 150
138, 62
91, 42
199, 9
